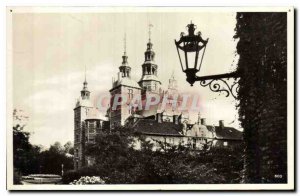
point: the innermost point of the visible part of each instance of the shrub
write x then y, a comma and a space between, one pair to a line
88, 180
72, 175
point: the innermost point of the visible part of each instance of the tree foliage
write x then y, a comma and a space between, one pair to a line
53, 159
26, 155
262, 49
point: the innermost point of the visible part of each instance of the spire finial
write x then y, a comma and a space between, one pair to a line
199, 118
124, 57
85, 82
85, 73
150, 26
124, 44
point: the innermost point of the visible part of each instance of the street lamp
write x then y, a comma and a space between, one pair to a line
188, 48
191, 49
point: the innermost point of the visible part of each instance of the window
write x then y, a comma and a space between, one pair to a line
130, 93
98, 124
91, 125
225, 143
91, 140
92, 130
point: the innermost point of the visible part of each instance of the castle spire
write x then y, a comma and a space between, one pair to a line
149, 80
125, 68
149, 54
85, 93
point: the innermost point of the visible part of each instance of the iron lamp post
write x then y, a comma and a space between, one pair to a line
191, 49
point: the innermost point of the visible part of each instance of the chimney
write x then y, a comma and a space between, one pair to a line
180, 119
159, 117
175, 119
203, 121
221, 123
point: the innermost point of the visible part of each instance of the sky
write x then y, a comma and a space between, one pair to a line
52, 50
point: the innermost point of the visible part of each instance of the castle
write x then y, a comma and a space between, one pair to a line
157, 123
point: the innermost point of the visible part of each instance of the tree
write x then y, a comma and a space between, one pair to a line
53, 158
57, 148
69, 148
25, 155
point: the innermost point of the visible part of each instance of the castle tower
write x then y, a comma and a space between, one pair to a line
82, 107
172, 100
124, 86
149, 80
172, 95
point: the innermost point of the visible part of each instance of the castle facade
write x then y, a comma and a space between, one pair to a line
161, 123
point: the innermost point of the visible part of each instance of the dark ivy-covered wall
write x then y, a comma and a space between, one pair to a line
262, 48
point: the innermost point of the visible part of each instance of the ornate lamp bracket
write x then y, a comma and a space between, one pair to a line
221, 83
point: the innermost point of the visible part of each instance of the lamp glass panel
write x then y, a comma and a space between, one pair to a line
200, 58
191, 56
182, 59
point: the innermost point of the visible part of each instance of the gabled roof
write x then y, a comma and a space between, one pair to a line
152, 127
95, 114
149, 78
199, 131
226, 132
125, 81
83, 103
